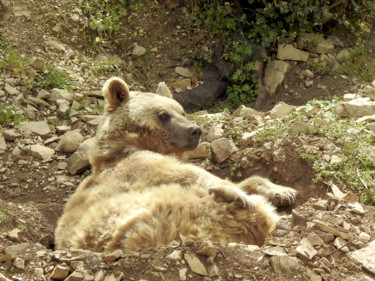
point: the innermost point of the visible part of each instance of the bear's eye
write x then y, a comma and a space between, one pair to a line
164, 117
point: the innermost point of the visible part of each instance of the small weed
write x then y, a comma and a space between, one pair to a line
22, 228
235, 167
9, 116
52, 78
4, 215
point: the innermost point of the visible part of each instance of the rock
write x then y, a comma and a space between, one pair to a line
118, 276
39, 151
20, 11
3, 278
60, 272
305, 40
70, 141
40, 128
138, 50
56, 45
299, 127
115, 255
11, 90
215, 133
202, 151
78, 162
281, 110
308, 73
321, 205
305, 250
176, 255
182, 274
371, 126
248, 113
14, 234
346, 53
365, 257
325, 47
183, 71
75, 276
285, 266
369, 91
339, 243
15, 249
11, 135
315, 240
222, 149
63, 107
323, 227
195, 264
3, 144
180, 84
274, 75
19, 263
356, 208
60, 94
355, 108
288, 52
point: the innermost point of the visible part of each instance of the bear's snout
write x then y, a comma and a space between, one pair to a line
195, 131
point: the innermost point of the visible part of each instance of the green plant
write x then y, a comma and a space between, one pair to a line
244, 87
235, 167
51, 77
22, 228
4, 215
271, 22
9, 116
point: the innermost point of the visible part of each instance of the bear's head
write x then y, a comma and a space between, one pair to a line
144, 121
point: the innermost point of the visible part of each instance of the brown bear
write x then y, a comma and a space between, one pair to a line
141, 194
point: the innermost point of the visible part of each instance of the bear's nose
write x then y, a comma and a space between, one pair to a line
195, 131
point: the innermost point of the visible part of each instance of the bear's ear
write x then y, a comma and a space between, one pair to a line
115, 92
163, 90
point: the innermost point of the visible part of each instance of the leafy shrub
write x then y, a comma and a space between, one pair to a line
281, 21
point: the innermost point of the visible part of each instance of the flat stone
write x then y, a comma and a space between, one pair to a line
195, 264
324, 227
216, 132
138, 51
75, 276
325, 47
369, 91
274, 74
11, 90
281, 110
176, 255
222, 149
288, 52
355, 108
305, 250
61, 94
365, 257
60, 272
115, 255
356, 208
39, 151
345, 53
183, 71
63, 107
38, 127
180, 84
56, 45
248, 113
15, 249
3, 278
3, 144
19, 263
299, 127
20, 11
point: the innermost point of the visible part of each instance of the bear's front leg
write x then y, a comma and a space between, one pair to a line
277, 194
232, 194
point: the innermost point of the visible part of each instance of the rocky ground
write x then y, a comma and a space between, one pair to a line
327, 235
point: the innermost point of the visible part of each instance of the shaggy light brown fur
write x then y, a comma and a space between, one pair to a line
141, 195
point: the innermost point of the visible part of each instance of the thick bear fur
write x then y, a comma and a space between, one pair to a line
141, 194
